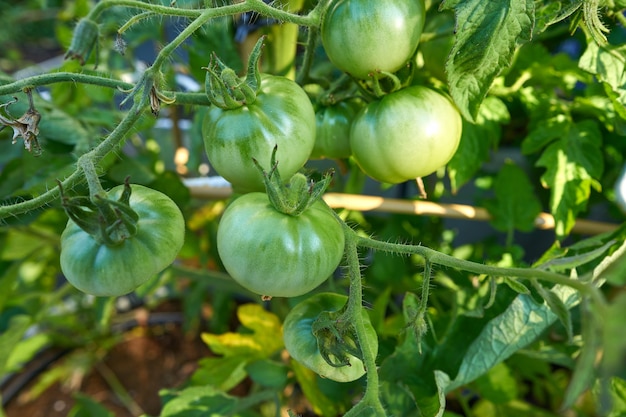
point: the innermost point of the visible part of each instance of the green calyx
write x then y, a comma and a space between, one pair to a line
336, 338
296, 196
228, 91
109, 222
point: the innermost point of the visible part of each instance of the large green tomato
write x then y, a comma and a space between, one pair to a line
407, 134
332, 134
275, 254
102, 270
362, 37
281, 115
302, 344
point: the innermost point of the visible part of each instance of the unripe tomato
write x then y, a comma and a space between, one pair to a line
332, 133
407, 134
362, 37
302, 344
281, 115
275, 254
102, 270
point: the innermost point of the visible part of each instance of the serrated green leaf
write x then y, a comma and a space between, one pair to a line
550, 129
517, 326
515, 205
476, 142
263, 342
197, 402
573, 165
608, 63
487, 34
223, 373
552, 12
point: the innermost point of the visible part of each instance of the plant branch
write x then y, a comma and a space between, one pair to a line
353, 312
59, 77
439, 258
95, 155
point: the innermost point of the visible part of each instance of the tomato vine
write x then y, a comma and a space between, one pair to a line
292, 202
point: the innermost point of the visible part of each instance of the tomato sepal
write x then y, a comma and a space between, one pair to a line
225, 89
298, 195
108, 221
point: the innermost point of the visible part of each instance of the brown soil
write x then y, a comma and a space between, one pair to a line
146, 361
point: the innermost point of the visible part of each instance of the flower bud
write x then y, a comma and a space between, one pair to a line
83, 41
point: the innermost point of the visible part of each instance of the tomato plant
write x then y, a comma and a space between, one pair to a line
112, 270
282, 115
502, 294
332, 134
407, 134
303, 346
276, 254
363, 37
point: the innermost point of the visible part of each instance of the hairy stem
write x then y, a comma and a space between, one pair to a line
439, 258
95, 155
355, 305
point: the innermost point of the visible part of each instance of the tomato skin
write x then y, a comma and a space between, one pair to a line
281, 115
102, 270
407, 134
302, 344
332, 133
361, 37
275, 254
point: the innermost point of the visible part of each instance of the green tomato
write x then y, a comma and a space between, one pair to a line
102, 270
281, 115
302, 344
275, 254
362, 37
332, 138
407, 134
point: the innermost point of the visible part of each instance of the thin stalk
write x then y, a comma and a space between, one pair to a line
95, 155
442, 259
59, 77
355, 305
100, 7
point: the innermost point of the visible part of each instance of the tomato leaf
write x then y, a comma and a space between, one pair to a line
223, 373
573, 164
197, 401
476, 141
515, 205
322, 405
608, 63
266, 337
487, 34
517, 326
86, 406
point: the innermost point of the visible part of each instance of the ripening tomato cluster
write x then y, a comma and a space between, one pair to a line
407, 133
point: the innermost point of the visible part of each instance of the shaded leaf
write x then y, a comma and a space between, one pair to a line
487, 34
573, 165
266, 337
516, 205
477, 140
197, 402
